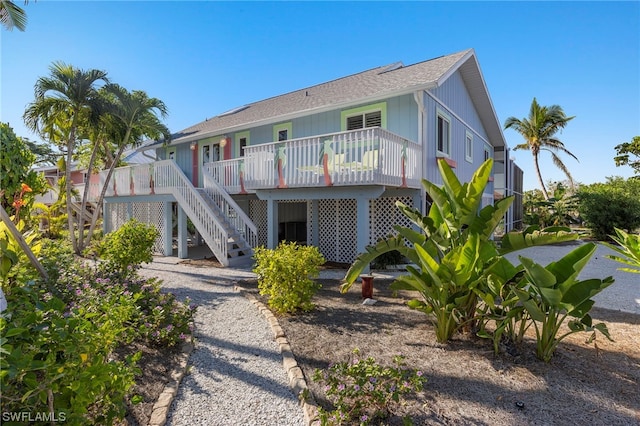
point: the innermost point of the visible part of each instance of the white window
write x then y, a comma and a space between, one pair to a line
443, 134
172, 155
468, 147
283, 135
364, 120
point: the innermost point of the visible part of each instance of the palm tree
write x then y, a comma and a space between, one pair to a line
63, 100
133, 117
12, 16
538, 131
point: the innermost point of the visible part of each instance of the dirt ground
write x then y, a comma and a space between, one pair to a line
467, 384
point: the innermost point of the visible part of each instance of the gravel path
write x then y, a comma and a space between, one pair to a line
236, 375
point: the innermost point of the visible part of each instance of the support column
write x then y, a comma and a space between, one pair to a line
272, 224
168, 229
182, 234
363, 226
106, 219
315, 223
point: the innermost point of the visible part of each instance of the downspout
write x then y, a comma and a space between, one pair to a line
418, 97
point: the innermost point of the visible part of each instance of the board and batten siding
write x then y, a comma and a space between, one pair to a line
454, 101
454, 94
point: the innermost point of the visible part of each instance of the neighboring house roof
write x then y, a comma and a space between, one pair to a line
136, 155
367, 86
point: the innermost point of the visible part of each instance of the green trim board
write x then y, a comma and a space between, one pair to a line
380, 106
236, 145
282, 126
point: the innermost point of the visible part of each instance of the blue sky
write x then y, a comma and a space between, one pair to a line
203, 58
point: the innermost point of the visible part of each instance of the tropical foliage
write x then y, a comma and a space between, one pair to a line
561, 209
453, 249
60, 336
628, 250
63, 100
539, 131
16, 161
545, 297
12, 16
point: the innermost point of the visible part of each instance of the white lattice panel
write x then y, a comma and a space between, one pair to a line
118, 215
153, 214
384, 215
337, 225
258, 215
150, 213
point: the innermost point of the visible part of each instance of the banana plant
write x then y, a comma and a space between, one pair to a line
553, 294
501, 305
451, 247
629, 250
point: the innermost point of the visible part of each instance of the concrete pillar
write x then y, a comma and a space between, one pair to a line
363, 226
168, 229
182, 234
272, 224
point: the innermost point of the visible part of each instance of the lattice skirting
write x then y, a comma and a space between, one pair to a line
150, 213
337, 224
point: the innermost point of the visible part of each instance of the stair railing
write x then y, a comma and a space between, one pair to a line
168, 178
227, 205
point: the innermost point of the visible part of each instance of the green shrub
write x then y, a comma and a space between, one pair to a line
286, 274
128, 247
362, 391
614, 204
56, 357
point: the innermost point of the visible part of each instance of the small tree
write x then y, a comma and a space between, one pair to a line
625, 151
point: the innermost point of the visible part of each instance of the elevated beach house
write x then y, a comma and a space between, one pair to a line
323, 165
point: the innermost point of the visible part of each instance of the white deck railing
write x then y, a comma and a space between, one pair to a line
229, 208
165, 177
371, 156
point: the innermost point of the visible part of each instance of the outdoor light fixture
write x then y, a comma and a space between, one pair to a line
223, 141
193, 146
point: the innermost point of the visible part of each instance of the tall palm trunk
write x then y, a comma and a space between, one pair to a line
85, 196
539, 175
67, 173
96, 212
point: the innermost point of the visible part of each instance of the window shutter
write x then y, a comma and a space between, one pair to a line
355, 122
373, 119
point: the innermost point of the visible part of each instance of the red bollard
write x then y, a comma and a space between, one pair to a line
367, 286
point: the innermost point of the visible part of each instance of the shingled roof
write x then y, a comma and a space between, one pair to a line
367, 86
